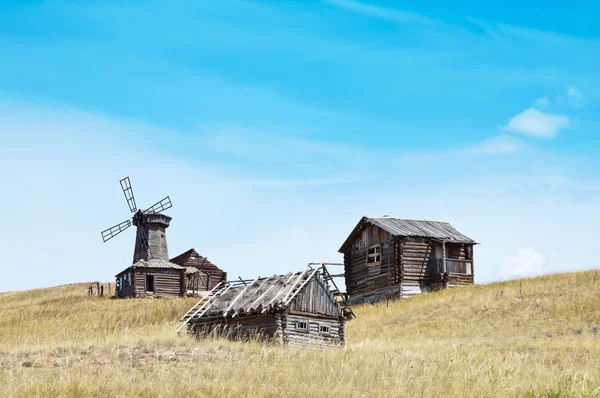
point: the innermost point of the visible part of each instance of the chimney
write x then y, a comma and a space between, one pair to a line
154, 226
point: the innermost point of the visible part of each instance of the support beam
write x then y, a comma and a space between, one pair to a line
444, 269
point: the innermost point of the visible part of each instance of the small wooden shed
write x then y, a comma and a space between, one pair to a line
302, 308
151, 278
200, 274
386, 257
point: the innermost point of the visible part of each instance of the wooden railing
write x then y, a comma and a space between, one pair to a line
454, 266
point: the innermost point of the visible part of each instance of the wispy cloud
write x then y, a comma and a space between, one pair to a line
390, 14
497, 145
536, 124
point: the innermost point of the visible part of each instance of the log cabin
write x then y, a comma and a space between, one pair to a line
200, 274
151, 278
391, 258
302, 309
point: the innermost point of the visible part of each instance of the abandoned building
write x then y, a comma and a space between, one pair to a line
302, 308
200, 273
152, 274
387, 258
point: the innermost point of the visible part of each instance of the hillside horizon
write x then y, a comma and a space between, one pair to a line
530, 337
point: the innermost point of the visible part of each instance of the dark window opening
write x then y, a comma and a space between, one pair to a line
150, 283
324, 329
300, 325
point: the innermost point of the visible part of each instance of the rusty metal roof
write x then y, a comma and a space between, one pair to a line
416, 228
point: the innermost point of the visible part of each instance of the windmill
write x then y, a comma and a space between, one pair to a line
151, 241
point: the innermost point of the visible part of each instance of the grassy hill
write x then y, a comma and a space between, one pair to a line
533, 337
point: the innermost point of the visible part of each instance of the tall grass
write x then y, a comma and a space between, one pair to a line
533, 337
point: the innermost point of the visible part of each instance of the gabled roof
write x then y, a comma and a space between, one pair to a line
203, 263
416, 228
264, 295
154, 263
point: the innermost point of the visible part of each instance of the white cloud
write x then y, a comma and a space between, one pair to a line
542, 102
534, 123
501, 144
527, 262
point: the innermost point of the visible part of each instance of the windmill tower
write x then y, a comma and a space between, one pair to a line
151, 236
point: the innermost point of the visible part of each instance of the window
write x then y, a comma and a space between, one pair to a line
150, 283
324, 329
374, 255
469, 252
301, 325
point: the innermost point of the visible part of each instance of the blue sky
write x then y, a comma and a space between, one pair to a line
275, 125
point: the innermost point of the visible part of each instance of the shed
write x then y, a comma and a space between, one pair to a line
387, 257
302, 308
200, 274
151, 278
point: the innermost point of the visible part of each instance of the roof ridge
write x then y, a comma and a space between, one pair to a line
407, 219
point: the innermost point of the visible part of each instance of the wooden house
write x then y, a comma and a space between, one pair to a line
386, 257
200, 273
151, 278
302, 308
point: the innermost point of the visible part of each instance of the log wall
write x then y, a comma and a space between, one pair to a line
167, 282
280, 327
364, 279
417, 257
313, 336
264, 326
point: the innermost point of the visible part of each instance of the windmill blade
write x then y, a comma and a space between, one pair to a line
116, 230
160, 206
128, 191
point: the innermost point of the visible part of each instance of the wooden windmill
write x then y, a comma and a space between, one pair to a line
151, 239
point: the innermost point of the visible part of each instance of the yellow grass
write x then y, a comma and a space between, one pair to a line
535, 337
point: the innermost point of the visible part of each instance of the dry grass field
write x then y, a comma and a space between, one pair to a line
535, 337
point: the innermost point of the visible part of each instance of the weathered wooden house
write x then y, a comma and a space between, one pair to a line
200, 273
386, 257
302, 308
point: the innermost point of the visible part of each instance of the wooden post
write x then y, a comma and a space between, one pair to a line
444, 270
98, 288
443, 256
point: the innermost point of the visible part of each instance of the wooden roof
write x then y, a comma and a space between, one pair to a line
416, 228
264, 295
155, 264
192, 258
